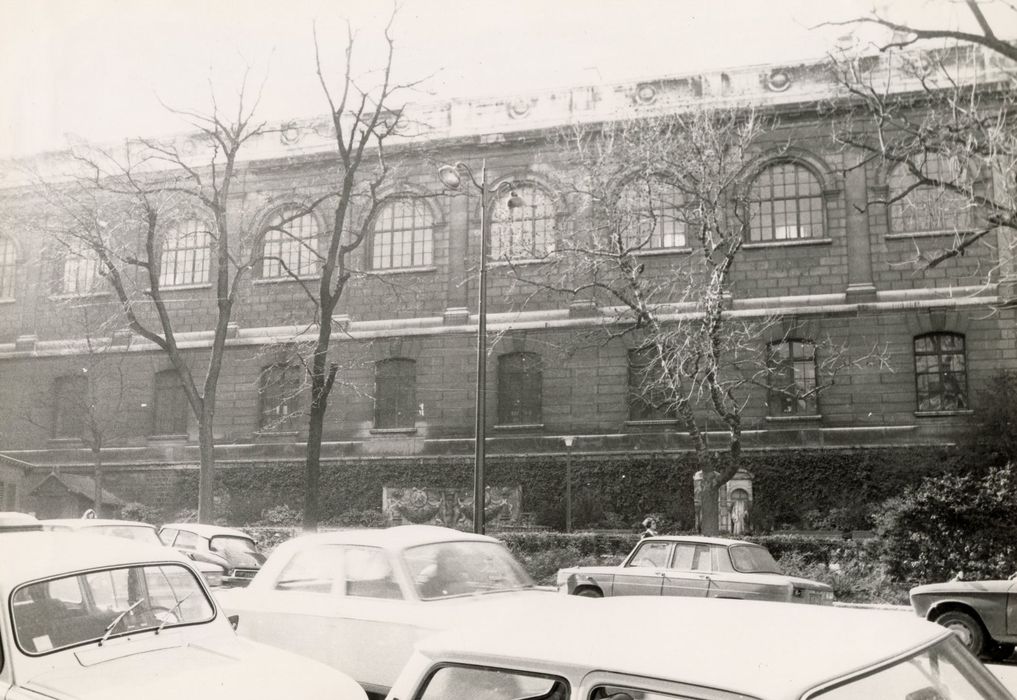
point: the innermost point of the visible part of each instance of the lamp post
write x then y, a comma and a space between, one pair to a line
569, 441
451, 178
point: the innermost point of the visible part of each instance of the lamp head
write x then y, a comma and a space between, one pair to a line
515, 201
450, 177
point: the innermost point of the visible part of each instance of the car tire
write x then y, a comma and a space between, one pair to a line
966, 627
589, 592
999, 652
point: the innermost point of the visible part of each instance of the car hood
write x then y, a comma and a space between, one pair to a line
963, 587
223, 666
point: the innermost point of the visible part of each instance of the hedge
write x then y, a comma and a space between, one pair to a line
807, 489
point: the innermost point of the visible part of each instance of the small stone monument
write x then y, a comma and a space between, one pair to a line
734, 501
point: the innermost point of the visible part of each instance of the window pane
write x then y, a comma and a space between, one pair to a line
648, 388
403, 232
395, 395
526, 231
7, 268
80, 267
185, 254
369, 575
927, 207
940, 372
650, 215
794, 196
792, 378
519, 388
279, 394
291, 245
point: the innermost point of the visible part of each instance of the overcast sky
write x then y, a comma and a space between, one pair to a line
97, 69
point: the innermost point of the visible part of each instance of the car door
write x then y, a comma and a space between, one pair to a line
643, 572
689, 571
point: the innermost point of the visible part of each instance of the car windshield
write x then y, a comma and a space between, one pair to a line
752, 559
944, 671
448, 569
238, 551
138, 533
66, 611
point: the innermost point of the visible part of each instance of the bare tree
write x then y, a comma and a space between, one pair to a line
365, 115
124, 208
644, 186
936, 111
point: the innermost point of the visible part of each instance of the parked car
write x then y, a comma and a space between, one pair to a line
102, 617
637, 648
13, 521
131, 530
233, 551
981, 613
360, 599
703, 567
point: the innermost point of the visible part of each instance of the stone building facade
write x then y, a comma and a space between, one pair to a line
407, 345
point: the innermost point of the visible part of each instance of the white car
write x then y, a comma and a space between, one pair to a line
131, 530
103, 618
643, 648
359, 600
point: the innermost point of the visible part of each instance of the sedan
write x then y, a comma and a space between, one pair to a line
360, 599
703, 567
638, 648
233, 551
102, 617
981, 613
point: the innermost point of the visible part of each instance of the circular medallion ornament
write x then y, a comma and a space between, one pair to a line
519, 107
778, 81
646, 94
290, 134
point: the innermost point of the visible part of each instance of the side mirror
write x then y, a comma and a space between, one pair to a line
234, 620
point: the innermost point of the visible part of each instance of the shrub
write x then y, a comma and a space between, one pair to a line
281, 515
359, 518
142, 513
954, 524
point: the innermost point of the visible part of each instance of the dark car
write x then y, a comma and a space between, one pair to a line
233, 550
704, 567
980, 613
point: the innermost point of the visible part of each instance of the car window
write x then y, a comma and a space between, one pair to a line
683, 555
651, 554
166, 535
701, 558
315, 570
445, 569
753, 559
66, 590
239, 551
617, 692
476, 683
187, 540
721, 559
943, 671
156, 596
369, 574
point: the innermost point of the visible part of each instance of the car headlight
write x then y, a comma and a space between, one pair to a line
213, 579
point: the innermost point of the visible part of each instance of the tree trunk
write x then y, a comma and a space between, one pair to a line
709, 516
97, 476
206, 473
312, 466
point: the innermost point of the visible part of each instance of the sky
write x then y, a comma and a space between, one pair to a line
103, 70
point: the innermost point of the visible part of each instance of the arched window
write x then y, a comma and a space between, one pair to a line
792, 385
650, 215
648, 387
941, 377
70, 405
279, 396
170, 414
526, 230
80, 268
186, 255
8, 267
785, 204
520, 388
291, 245
395, 393
403, 235
926, 208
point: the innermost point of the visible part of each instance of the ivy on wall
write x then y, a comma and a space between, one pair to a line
800, 489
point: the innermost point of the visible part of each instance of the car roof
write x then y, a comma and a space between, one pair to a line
696, 539
34, 555
760, 649
81, 523
16, 519
207, 531
398, 537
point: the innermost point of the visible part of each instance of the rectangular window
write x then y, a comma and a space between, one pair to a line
648, 388
80, 268
186, 255
70, 406
170, 415
280, 396
520, 379
395, 394
940, 372
792, 390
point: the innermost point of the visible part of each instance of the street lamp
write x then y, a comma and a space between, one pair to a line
569, 441
451, 177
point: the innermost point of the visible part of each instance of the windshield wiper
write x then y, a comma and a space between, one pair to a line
172, 611
116, 620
